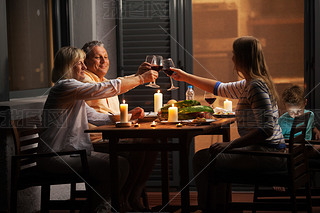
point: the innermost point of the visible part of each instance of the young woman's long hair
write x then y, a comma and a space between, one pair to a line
64, 61
248, 56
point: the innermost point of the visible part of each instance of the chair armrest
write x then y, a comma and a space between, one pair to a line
50, 154
313, 142
258, 153
82, 153
31, 160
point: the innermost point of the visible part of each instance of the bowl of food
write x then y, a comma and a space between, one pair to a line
187, 109
116, 117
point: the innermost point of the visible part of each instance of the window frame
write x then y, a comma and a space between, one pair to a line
60, 37
4, 73
312, 52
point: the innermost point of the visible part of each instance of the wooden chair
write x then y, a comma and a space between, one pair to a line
314, 172
25, 173
295, 177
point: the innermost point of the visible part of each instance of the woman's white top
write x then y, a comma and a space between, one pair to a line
65, 114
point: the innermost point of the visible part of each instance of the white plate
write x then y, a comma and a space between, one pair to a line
167, 122
150, 115
208, 121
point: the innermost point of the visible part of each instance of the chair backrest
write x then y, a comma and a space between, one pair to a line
25, 172
26, 137
297, 163
298, 130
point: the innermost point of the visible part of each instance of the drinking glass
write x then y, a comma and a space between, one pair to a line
156, 64
210, 98
167, 63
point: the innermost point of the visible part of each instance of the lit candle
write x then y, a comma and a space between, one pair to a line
179, 125
136, 125
153, 124
173, 114
123, 112
227, 105
157, 101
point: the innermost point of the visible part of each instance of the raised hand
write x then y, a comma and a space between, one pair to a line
144, 67
150, 76
178, 75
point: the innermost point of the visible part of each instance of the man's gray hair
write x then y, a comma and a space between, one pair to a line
87, 47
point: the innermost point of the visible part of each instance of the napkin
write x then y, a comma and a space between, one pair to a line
219, 110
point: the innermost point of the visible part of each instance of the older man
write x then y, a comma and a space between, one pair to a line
97, 62
141, 163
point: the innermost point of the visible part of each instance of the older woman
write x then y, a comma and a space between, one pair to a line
66, 116
257, 118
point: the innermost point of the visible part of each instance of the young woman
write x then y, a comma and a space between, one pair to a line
257, 120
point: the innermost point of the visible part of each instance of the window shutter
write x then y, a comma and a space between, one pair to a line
145, 29
149, 27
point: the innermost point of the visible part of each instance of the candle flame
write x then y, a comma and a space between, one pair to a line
158, 91
172, 105
124, 101
153, 122
226, 99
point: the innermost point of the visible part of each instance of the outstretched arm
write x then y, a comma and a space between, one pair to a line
200, 82
131, 82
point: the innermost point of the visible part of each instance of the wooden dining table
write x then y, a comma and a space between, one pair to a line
161, 133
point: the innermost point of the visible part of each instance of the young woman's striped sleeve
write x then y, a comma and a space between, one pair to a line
229, 90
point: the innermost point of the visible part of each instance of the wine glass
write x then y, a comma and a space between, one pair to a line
210, 98
156, 64
167, 63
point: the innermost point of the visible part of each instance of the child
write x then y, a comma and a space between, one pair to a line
295, 103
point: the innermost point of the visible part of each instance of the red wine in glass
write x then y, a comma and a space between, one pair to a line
210, 100
157, 68
168, 71
156, 64
167, 63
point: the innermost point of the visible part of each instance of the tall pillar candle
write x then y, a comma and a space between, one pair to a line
158, 97
173, 114
227, 105
123, 112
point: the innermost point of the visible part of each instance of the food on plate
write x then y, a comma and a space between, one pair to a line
172, 101
223, 113
181, 104
187, 109
199, 120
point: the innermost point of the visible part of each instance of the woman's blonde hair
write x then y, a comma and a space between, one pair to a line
64, 60
248, 55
